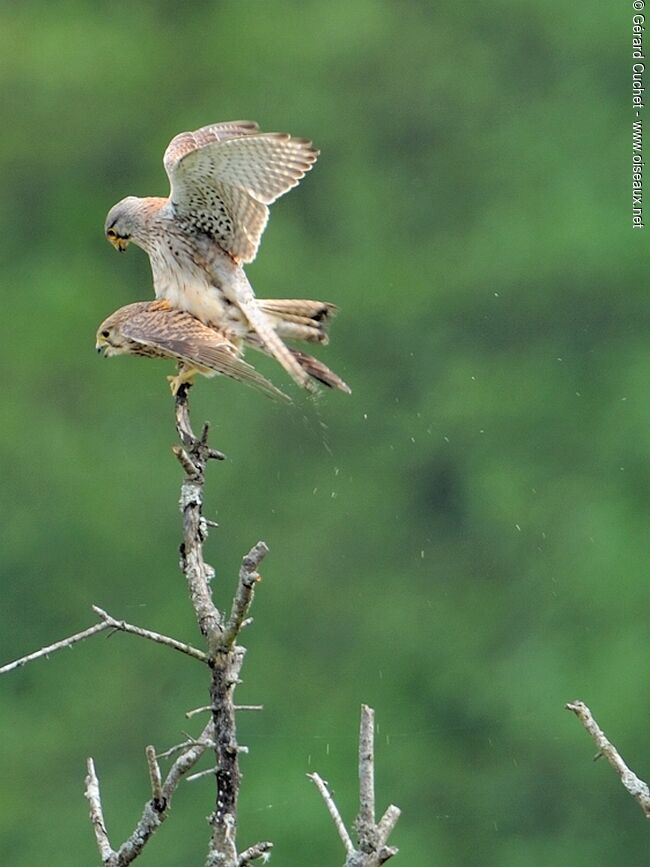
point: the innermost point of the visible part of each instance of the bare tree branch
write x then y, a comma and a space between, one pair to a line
388, 822
635, 786
248, 578
200, 774
155, 777
123, 626
52, 648
108, 622
97, 814
193, 566
372, 849
157, 809
339, 824
186, 761
225, 676
176, 749
366, 769
197, 710
259, 850
186, 462
225, 657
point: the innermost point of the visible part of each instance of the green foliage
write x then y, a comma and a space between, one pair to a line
461, 543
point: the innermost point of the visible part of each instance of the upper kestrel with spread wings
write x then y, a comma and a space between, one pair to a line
223, 178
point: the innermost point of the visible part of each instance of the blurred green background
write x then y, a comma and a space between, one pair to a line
462, 543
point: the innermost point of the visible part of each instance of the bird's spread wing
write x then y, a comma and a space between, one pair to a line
180, 336
224, 176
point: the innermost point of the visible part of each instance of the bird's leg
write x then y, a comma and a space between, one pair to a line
185, 374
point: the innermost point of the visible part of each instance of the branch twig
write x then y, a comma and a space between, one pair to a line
157, 809
197, 710
372, 849
248, 578
52, 648
366, 770
635, 786
259, 850
123, 626
97, 814
108, 622
155, 777
333, 810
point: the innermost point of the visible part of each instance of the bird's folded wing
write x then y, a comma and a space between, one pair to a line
180, 336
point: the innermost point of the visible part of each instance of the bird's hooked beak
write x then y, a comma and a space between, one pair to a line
102, 345
119, 242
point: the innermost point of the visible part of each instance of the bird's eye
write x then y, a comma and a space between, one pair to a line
105, 333
111, 234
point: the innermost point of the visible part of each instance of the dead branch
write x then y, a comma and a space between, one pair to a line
372, 849
107, 622
155, 777
333, 810
366, 820
52, 648
193, 459
197, 710
123, 626
97, 814
225, 657
248, 578
200, 774
187, 760
635, 786
259, 850
155, 810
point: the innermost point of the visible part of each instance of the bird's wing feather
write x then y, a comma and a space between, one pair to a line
185, 142
223, 177
180, 336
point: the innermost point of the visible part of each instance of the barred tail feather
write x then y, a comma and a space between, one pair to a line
299, 319
272, 343
319, 371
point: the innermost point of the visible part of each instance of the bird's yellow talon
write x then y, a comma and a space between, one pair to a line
175, 383
183, 377
160, 304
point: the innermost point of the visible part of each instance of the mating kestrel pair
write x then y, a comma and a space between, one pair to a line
223, 178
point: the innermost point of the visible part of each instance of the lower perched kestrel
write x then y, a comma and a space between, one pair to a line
152, 329
223, 177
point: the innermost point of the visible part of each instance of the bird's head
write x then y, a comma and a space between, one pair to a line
123, 221
110, 340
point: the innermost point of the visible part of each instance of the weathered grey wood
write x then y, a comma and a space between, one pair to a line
372, 848
633, 784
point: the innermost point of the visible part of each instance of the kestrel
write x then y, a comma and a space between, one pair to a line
149, 329
223, 177
153, 329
